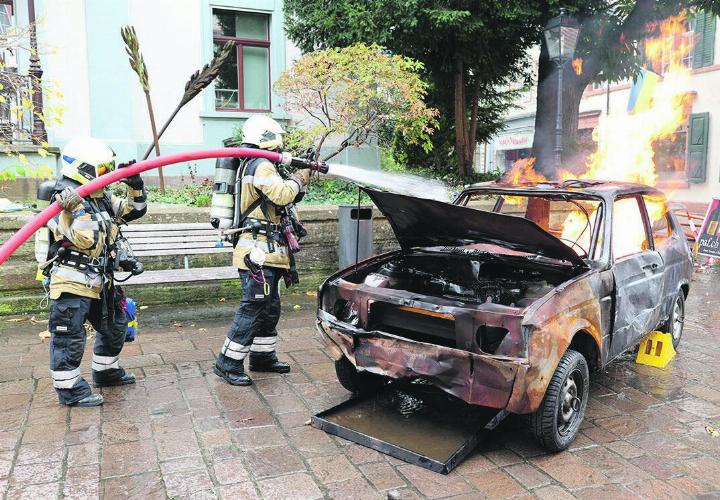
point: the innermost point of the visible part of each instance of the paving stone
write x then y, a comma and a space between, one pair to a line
527, 475
382, 476
259, 437
294, 486
140, 487
553, 492
47, 472
40, 453
495, 483
230, 472
83, 454
569, 470
9, 439
432, 484
82, 490
503, 457
181, 484
265, 462
176, 445
351, 489
238, 490
182, 464
120, 431
47, 491
128, 458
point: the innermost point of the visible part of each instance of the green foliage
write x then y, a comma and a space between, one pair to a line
352, 92
323, 191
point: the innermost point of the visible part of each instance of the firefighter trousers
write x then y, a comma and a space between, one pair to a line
67, 328
253, 330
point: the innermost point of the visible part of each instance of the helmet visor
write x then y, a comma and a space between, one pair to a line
105, 167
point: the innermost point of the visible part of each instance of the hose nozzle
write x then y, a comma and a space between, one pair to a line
305, 163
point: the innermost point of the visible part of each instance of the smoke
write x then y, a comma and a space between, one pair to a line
410, 185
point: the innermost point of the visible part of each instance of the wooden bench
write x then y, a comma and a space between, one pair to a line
186, 239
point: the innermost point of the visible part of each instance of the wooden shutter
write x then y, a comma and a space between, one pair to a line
697, 147
704, 51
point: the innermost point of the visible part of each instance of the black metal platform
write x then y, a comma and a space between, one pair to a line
412, 422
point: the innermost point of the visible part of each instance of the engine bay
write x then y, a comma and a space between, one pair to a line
476, 279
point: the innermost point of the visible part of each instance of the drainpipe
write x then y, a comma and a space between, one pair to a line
36, 72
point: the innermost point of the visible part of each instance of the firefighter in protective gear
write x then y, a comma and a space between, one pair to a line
261, 255
81, 277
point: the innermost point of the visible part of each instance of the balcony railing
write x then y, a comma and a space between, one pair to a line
16, 111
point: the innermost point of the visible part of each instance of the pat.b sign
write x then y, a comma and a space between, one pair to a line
708, 242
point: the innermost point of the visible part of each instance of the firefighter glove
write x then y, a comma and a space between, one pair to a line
68, 199
302, 177
134, 181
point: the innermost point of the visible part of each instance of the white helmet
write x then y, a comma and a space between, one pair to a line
85, 158
263, 132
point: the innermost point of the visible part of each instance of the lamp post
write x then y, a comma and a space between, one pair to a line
561, 34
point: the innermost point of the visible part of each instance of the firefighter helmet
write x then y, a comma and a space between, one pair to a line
85, 158
263, 132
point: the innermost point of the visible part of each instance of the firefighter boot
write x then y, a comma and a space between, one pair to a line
233, 378
126, 379
268, 364
91, 400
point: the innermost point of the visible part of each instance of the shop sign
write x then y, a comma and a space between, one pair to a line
522, 140
708, 242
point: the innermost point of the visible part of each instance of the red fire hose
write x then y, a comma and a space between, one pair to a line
7, 249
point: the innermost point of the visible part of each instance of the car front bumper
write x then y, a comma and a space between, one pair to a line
478, 379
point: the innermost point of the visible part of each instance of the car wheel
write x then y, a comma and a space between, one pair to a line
676, 322
358, 382
556, 423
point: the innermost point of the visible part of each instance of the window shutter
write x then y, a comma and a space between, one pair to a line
697, 147
704, 51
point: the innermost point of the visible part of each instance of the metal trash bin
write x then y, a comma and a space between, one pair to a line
355, 233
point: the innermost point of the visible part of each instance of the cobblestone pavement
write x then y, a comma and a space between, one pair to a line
181, 432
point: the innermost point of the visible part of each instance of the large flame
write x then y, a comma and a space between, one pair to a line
625, 142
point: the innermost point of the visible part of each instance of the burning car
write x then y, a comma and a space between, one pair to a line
506, 297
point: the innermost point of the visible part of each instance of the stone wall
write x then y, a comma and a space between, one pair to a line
20, 292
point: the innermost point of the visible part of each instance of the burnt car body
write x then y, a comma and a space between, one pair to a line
494, 308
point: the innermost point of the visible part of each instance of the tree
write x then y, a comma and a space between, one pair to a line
471, 52
17, 109
357, 92
608, 47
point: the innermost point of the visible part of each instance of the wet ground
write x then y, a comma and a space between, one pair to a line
181, 432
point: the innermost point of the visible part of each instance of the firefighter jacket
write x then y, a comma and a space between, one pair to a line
92, 229
260, 178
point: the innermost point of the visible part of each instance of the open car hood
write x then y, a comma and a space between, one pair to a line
418, 222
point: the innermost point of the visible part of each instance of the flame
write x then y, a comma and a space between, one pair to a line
577, 65
625, 141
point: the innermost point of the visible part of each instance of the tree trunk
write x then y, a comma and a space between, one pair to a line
460, 118
545, 117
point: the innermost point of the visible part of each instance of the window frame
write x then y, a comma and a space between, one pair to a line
239, 44
640, 201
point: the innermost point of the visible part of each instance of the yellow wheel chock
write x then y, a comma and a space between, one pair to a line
656, 349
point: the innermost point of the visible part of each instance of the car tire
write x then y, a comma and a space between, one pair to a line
357, 382
676, 322
556, 423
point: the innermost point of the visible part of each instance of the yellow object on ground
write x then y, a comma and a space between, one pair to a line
656, 350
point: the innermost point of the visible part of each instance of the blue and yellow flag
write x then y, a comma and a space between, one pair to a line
642, 91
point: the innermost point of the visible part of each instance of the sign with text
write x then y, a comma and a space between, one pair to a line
521, 140
708, 242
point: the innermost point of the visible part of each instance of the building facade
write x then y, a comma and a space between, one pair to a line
83, 56
696, 177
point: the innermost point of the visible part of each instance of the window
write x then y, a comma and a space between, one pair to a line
659, 220
628, 230
574, 220
244, 82
671, 156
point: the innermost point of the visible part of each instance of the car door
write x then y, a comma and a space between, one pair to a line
638, 274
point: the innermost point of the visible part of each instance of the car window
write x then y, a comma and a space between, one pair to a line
659, 220
628, 228
572, 220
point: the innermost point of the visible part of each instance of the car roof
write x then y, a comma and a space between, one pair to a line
604, 189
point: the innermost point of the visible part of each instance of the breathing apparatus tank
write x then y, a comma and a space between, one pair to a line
223, 198
42, 236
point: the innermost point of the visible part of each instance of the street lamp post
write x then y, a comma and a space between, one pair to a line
561, 34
